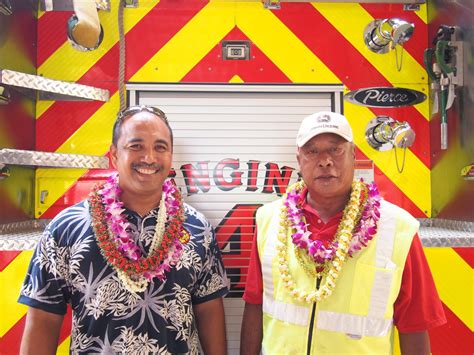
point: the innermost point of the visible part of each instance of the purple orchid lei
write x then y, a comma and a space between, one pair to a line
318, 251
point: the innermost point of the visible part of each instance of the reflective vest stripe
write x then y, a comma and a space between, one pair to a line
268, 254
383, 260
353, 324
286, 312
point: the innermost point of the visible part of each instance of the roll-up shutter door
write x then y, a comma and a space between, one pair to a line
234, 150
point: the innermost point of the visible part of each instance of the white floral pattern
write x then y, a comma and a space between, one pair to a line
67, 268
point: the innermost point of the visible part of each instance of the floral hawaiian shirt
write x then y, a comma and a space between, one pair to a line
68, 268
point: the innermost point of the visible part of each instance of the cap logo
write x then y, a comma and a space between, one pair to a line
324, 118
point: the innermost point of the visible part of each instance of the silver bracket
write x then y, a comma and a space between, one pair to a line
67, 5
36, 82
272, 4
52, 160
411, 7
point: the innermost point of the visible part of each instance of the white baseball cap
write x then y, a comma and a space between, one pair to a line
323, 122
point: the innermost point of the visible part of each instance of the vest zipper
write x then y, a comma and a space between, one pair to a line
311, 323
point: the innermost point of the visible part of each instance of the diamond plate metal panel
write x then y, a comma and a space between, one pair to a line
436, 232
29, 81
52, 160
21, 235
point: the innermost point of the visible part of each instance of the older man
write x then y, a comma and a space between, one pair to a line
334, 266
140, 268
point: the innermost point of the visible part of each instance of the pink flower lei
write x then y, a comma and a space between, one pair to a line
320, 253
165, 250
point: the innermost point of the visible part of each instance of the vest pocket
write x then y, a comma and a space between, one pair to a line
372, 288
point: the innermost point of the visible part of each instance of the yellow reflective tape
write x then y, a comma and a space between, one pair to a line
356, 18
412, 181
92, 138
282, 46
63, 348
11, 279
454, 280
187, 47
68, 64
236, 80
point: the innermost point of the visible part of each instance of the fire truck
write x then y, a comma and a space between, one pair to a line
235, 79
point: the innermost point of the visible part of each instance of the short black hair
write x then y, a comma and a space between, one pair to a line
132, 110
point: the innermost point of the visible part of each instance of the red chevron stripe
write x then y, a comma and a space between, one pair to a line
417, 44
10, 342
62, 119
6, 257
51, 33
467, 254
452, 338
259, 69
323, 36
390, 191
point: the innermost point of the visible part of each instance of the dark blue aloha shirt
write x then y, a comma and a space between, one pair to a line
68, 268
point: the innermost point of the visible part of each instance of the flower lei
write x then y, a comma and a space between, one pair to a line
357, 227
121, 252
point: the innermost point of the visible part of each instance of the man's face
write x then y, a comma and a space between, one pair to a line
142, 156
327, 165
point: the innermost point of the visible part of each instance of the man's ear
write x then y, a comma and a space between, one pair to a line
298, 155
113, 155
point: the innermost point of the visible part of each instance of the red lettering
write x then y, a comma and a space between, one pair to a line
196, 177
219, 179
252, 175
275, 180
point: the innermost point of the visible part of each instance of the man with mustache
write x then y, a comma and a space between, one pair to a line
140, 269
333, 265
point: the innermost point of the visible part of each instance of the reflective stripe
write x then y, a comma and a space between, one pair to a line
352, 324
385, 238
268, 254
383, 259
286, 312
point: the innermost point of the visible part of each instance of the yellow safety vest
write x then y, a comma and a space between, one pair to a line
357, 318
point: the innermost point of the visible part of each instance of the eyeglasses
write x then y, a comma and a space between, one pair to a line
334, 152
132, 110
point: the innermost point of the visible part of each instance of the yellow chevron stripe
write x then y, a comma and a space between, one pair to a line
236, 80
63, 348
413, 180
299, 64
177, 57
454, 282
423, 13
11, 279
58, 181
352, 28
68, 64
